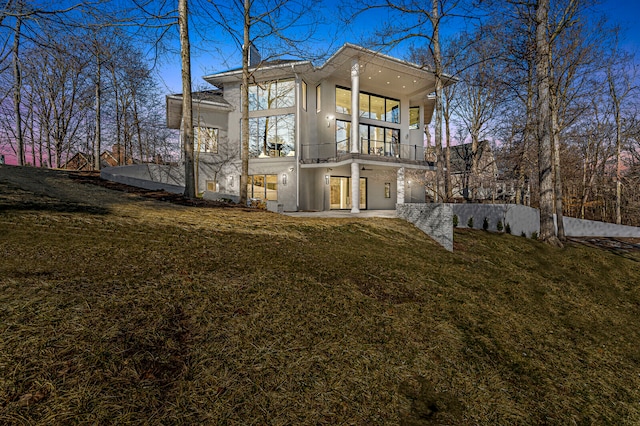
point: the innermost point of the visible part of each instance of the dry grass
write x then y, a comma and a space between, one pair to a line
116, 309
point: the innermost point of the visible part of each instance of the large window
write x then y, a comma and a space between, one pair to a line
343, 100
371, 106
374, 140
262, 187
272, 94
205, 139
272, 136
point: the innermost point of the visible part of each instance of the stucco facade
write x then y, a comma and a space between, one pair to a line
320, 137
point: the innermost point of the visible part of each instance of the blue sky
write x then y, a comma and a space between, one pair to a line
205, 60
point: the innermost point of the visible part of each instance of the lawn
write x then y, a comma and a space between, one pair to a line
116, 309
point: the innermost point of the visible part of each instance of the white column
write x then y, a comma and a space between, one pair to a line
355, 187
400, 184
355, 106
355, 135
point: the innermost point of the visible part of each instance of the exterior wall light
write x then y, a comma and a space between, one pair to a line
326, 179
231, 181
284, 178
329, 120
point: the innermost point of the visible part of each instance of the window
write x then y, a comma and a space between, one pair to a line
318, 98
272, 94
374, 140
262, 187
343, 100
205, 139
371, 106
304, 96
343, 136
414, 117
272, 136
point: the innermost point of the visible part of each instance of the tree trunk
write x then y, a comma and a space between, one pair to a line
17, 91
244, 150
187, 119
437, 59
545, 165
97, 143
556, 169
447, 160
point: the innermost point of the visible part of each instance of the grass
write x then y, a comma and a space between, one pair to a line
116, 309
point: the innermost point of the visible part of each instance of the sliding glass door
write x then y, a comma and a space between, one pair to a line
341, 193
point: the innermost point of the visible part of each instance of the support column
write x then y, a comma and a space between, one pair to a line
400, 186
355, 187
355, 135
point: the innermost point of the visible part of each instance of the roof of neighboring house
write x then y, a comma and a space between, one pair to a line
462, 155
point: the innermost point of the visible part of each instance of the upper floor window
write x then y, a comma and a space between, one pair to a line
272, 136
271, 95
205, 139
414, 117
371, 106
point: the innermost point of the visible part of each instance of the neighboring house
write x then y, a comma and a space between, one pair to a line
319, 137
84, 162
462, 180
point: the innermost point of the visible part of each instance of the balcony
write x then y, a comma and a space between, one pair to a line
370, 149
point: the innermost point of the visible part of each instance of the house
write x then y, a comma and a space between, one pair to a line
319, 137
462, 180
84, 162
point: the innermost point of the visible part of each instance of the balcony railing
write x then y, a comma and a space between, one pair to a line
368, 147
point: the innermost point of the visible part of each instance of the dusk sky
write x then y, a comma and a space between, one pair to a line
625, 13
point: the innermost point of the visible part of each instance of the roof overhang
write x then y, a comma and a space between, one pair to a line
381, 74
174, 108
267, 72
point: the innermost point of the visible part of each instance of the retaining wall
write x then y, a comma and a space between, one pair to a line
147, 176
434, 220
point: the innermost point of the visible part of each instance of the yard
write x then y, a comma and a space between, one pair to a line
117, 308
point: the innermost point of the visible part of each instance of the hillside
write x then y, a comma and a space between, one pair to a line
116, 308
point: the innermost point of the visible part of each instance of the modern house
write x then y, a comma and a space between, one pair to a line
319, 137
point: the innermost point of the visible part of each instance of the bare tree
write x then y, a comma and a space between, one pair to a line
621, 81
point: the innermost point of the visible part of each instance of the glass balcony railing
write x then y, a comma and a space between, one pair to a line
368, 147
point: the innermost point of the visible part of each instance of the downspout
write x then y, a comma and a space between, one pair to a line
298, 147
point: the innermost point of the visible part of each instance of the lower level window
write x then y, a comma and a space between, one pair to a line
263, 187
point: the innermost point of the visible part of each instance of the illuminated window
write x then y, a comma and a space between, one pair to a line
371, 106
414, 117
318, 98
262, 187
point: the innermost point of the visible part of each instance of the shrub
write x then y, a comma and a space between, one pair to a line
485, 224
499, 226
534, 235
523, 234
507, 229
470, 222
455, 220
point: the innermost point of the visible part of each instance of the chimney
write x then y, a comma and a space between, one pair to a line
254, 56
118, 153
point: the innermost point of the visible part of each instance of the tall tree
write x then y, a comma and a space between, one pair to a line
187, 118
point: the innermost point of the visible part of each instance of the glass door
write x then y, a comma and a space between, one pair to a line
340, 195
